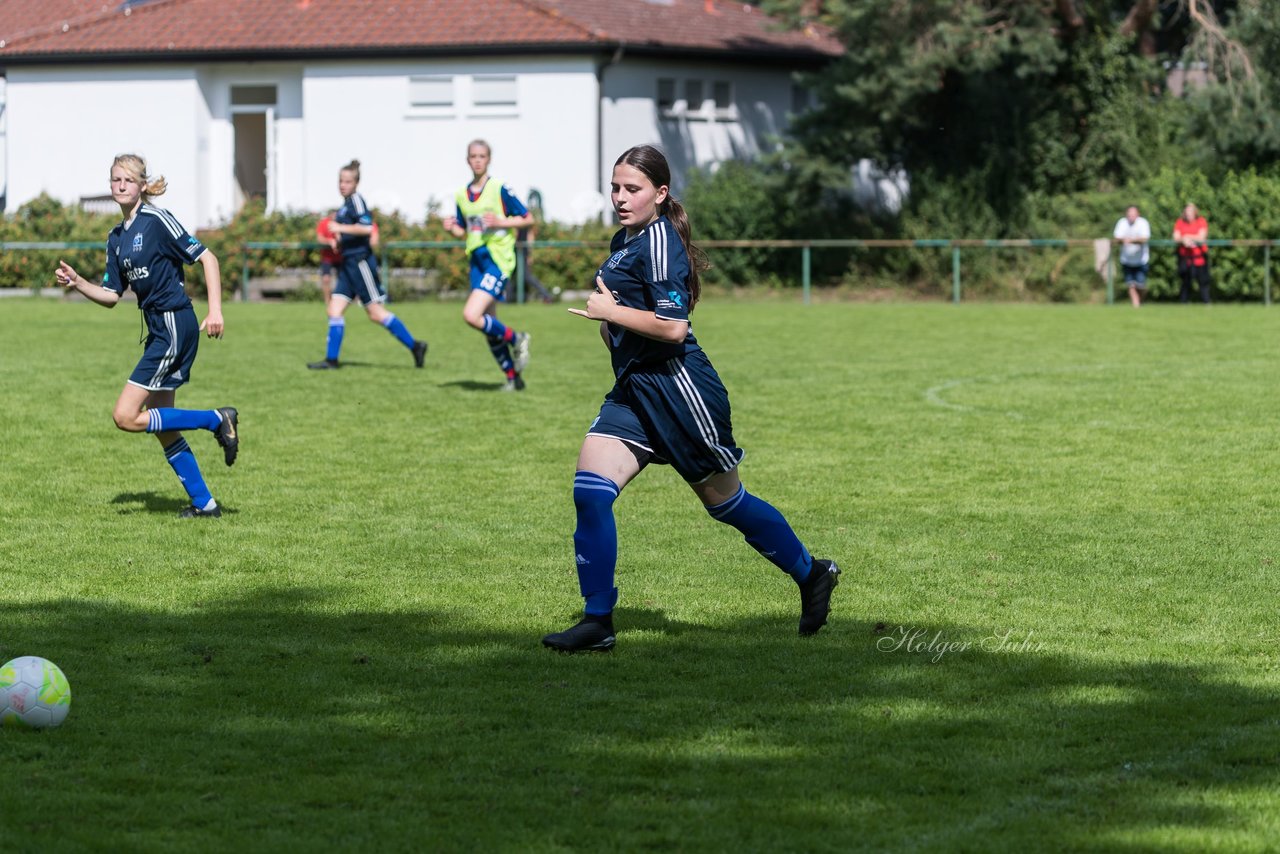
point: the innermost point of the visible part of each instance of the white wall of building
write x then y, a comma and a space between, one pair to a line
4, 148
692, 135
554, 125
67, 123
286, 146
414, 157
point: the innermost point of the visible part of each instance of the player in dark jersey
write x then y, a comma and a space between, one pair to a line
667, 406
358, 274
146, 252
488, 215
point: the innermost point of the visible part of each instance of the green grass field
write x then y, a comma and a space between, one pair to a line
1057, 625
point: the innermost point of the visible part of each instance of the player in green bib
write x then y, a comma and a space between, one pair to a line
488, 216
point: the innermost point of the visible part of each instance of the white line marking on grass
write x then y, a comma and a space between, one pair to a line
934, 395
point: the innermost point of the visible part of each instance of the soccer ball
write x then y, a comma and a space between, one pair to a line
33, 694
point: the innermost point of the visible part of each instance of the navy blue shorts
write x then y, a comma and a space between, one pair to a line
678, 412
358, 279
172, 340
485, 276
1135, 275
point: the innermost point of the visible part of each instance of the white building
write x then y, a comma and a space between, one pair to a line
237, 98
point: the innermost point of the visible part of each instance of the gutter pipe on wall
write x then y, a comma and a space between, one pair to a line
601, 67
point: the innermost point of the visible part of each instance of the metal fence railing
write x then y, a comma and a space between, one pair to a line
805, 248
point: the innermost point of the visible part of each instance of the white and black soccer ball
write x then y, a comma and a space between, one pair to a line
34, 694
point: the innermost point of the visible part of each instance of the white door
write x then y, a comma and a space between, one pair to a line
253, 123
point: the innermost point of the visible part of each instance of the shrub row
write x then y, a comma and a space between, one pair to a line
46, 220
767, 201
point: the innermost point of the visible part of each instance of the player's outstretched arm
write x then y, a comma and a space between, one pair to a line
73, 281
603, 305
212, 325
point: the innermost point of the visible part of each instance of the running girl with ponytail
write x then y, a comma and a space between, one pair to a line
358, 275
667, 406
146, 252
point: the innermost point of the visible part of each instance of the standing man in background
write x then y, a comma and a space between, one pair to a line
1133, 233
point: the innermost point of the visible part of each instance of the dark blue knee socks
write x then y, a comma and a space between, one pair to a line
766, 531
595, 541
188, 471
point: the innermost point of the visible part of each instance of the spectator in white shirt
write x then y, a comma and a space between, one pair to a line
1133, 232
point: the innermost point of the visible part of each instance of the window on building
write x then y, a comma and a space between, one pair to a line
693, 96
722, 95
253, 96
666, 96
493, 90
801, 100
430, 92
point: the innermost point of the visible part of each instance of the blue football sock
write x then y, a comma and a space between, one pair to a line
188, 471
397, 328
337, 326
501, 354
595, 541
493, 327
162, 419
766, 531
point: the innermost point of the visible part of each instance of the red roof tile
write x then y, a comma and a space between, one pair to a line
43, 30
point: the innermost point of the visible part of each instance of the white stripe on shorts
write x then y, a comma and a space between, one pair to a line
369, 286
701, 415
171, 353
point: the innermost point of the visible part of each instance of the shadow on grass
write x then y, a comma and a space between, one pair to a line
286, 718
473, 385
154, 502
151, 502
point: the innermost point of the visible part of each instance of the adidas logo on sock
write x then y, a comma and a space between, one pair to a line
581, 560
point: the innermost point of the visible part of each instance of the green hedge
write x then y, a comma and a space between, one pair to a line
46, 220
770, 201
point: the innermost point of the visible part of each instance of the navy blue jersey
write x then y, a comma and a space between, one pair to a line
354, 212
650, 272
147, 255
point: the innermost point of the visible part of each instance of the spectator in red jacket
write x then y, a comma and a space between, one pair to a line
1191, 233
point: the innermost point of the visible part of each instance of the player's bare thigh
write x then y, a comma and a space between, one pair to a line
478, 304
608, 457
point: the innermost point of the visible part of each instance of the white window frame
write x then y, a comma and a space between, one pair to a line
728, 112
504, 107
696, 112
670, 110
425, 108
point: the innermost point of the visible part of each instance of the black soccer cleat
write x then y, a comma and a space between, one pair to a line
591, 634
324, 365
226, 433
419, 353
815, 595
194, 512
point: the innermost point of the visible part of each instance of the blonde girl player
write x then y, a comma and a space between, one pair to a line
146, 252
358, 275
667, 405
488, 216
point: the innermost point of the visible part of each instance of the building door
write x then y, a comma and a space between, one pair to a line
253, 125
